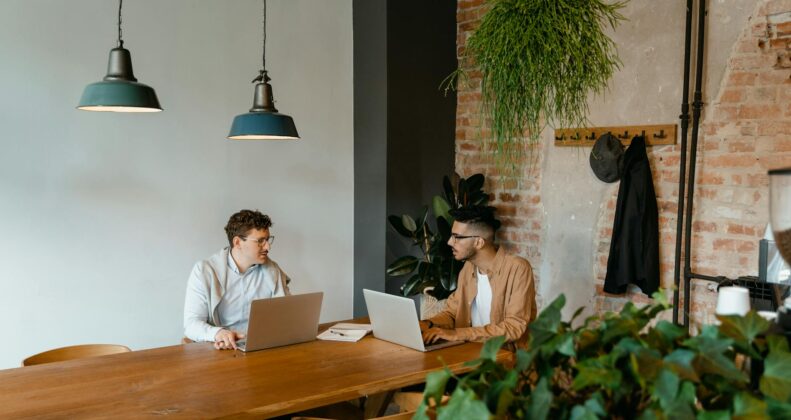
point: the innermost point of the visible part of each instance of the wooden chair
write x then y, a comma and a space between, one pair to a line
74, 352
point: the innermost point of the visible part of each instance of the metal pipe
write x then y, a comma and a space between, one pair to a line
697, 106
683, 164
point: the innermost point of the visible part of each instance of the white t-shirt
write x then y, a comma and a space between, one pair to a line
482, 305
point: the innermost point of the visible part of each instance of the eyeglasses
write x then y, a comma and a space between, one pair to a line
455, 238
260, 242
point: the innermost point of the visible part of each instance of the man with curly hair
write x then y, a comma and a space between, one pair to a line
495, 294
221, 287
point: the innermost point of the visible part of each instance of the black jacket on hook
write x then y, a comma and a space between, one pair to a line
634, 249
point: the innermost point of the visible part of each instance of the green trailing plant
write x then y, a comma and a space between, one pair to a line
435, 267
540, 59
619, 367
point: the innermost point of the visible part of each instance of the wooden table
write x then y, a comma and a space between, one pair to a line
197, 381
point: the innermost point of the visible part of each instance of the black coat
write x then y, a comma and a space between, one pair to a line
634, 249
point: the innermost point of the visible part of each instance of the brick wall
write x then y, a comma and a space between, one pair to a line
517, 193
745, 131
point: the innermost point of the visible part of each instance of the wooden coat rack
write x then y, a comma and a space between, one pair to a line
655, 135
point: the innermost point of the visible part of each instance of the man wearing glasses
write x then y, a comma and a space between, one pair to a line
495, 292
221, 287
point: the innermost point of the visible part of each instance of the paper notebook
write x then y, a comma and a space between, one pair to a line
345, 331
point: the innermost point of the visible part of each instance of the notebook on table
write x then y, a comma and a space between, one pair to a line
394, 319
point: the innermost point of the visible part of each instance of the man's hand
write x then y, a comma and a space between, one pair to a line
432, 335
424, 325
226, 339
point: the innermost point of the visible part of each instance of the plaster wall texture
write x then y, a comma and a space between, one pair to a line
103, 215
563, 213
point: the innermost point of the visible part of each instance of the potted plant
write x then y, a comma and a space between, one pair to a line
432, 271
617, 366
538, 61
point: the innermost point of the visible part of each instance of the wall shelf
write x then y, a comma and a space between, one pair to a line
655, 135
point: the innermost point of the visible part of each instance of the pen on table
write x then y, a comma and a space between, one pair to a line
339, 333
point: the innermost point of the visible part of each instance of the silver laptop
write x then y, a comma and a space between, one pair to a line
281, 321
394, 319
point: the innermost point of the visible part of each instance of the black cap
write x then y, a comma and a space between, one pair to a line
607, 158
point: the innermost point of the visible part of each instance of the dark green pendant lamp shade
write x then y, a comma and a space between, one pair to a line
119, 91
263, 122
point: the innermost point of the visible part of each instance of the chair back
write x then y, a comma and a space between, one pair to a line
74, 352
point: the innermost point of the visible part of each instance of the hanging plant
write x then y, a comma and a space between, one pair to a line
537, 59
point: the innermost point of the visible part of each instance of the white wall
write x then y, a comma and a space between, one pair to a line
103, 215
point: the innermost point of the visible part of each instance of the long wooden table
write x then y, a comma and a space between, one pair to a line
197, 381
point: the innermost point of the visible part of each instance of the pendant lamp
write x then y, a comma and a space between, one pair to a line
119, 91
263, 122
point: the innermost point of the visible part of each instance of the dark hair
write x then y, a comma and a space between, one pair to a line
476, 215
244, 220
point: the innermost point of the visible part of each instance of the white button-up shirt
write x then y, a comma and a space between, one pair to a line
241, 289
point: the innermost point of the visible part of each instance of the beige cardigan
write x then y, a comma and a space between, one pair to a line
513, 302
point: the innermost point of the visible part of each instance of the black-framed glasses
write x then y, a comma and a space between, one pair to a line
260, 242
454, 237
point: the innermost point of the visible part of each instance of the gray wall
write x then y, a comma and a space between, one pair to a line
404, 125
103, 215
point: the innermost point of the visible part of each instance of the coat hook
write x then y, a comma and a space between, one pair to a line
642, 133
591, 137
661, 134
561, 138
576, 136
625, 135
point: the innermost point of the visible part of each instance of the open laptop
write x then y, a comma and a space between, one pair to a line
281, 321
394, 319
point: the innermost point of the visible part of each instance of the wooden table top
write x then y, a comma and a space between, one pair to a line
197, 381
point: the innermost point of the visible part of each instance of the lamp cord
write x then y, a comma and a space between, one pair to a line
263, 54
120, 32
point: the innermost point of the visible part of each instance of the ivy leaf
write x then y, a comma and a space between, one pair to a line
664, 334
714, 415
743, 330
435, 385
680, 362
540, 401
464, 405
401, 266
745, 406
777, 343
596, 372
778, 410
524, 359
666, 388
776, 380
500, 393
547, 323
491, 347
711, 354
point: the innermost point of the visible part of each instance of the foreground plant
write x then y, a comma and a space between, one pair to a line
616, 366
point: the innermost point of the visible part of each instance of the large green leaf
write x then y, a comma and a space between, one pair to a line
680, 362
547, 323
409, 223
441, 208
491, 347
743, 330
592, 410
592, 372
778, 410
447, 189
540, 401
664, 335
711, 356
412, 286
666, 388
475, 182
714, 415
464, 405
501, 393
435, 385
402, 266
398, 225
747, 407
776, 380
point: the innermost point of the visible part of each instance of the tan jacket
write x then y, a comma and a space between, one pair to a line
513, 302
